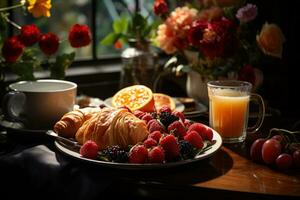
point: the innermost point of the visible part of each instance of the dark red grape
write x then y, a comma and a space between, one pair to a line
296, 157
256, 148
270, 151
284, 161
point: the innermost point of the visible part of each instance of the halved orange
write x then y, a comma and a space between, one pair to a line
136, 97
161, 100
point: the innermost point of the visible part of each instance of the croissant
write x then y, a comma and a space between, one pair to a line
113, 127
68, 125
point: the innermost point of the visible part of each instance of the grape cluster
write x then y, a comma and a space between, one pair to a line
281, 149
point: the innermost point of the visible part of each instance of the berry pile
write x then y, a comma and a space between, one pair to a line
171, 138
280, 149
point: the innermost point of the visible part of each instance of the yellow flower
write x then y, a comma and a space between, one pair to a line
39, 8
271, 40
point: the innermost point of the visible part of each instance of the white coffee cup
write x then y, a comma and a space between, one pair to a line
39, 104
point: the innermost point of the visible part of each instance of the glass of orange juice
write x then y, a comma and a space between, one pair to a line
229, 109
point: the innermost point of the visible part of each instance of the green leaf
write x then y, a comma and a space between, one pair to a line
62, 63
121, 25
111, 38
24, 70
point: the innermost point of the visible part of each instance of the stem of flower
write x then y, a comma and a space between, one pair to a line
11, 7
11, 22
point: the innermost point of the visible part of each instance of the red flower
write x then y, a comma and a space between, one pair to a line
49, 43
12, 49
160, 7
247, 73
195, 34
79, 35
218, 39
30, 34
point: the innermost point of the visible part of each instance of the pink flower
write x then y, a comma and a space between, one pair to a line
171, 35
247, 13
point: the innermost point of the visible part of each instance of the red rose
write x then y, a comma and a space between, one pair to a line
247, 73
12, 49
79, 35
160, 7
30, 34
49, 43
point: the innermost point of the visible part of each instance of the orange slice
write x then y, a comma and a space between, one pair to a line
136, 97
161, 100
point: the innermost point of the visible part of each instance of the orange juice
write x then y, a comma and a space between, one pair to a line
229, 112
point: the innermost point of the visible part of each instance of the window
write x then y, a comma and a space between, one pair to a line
98, 15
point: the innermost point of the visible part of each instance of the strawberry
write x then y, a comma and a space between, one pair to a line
177, 129
179, 114
147, 117
138, 154
170, 145
195, 139
208, 134
199, 128
156, 135
150, 142
156, 155
89, 149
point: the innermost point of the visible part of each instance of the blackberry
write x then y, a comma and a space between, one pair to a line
167, 118
116, 154
186, 149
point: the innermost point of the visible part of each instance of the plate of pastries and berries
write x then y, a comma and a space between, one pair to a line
125, 139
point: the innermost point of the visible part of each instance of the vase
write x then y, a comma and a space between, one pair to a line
140, 63
196, 87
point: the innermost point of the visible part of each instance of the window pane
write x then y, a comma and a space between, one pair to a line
63, 15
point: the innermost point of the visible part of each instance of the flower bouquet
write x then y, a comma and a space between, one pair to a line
216, 39
20, 53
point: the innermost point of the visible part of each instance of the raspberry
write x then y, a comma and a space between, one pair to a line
195, 139
156, 155
150, 142
155, 126
156, 135
199, 128
138, 154
147, 117
170, 145
165, 109
89, 149
208, 134
177, 129
179, 114
139, 114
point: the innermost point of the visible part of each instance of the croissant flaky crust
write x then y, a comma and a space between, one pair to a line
68, 125
107, 126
